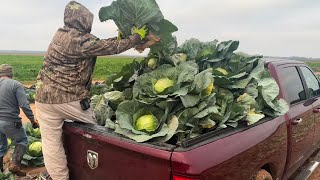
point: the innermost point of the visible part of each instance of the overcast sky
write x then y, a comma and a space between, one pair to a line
267, 27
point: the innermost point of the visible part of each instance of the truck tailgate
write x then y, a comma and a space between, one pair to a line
117, 157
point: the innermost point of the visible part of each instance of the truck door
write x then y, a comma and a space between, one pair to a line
313, 90
301, 123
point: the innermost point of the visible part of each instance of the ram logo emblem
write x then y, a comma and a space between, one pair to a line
92, 159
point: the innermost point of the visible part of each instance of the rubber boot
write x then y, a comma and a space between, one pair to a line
1, 164
15, 166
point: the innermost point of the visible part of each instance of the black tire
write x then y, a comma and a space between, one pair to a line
262, 175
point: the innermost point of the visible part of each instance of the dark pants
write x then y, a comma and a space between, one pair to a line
17, 135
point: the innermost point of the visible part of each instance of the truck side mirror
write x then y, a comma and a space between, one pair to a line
302, 95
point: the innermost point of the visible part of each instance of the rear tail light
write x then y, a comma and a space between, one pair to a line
175, 177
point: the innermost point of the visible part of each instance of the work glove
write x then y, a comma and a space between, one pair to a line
142, 32
149, 41
34, 124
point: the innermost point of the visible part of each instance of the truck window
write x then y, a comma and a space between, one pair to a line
312, 82
292, 85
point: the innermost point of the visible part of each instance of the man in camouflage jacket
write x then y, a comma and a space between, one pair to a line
65, 80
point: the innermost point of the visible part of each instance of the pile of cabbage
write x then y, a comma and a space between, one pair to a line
33, 156
181, 92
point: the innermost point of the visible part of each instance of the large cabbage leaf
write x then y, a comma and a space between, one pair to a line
195, 119
101, 109
196, 50
35, 133
269, 91
114, 98
168, 43
126, 77
126, 13
198, 88
99, 89
31, 93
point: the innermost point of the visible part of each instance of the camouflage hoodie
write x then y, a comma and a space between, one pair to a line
66, 73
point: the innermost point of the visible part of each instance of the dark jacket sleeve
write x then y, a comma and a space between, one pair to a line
23, 102
93, 46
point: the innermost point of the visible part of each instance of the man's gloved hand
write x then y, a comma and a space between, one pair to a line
34, 124
142, 32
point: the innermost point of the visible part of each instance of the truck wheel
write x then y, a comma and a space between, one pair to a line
261, 175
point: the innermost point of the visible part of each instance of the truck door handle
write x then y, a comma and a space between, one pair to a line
316, 110
296, 121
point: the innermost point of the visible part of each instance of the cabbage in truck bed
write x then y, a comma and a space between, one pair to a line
180, 92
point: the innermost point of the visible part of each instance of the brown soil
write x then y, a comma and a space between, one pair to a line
315, 175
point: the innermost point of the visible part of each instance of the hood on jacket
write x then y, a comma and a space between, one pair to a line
78, 17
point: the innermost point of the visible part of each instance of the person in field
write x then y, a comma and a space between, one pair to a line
64, 81
12, 98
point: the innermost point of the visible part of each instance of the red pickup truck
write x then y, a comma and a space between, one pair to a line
276, 147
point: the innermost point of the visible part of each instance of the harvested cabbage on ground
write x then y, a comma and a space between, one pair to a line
180, 92
33, 156
35, 149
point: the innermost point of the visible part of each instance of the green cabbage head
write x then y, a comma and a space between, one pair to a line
142, 122
163, 84
37, 133
208, 90
147, 122
35, 149
9, 142
152, 63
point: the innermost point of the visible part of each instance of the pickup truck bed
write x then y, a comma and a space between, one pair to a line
278, 146
121, 155
117, 154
